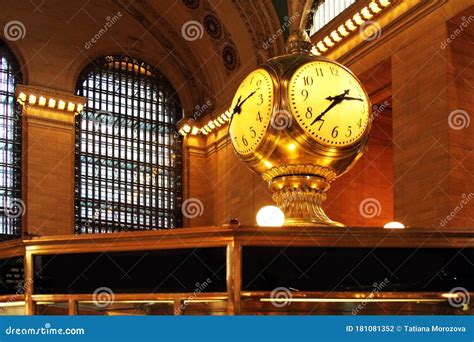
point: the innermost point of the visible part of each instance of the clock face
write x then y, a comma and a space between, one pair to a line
329, 103
252, 107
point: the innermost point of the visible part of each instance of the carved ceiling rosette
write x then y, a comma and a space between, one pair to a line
218, 34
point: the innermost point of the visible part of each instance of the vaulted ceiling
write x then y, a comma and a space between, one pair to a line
208, 41
204, 47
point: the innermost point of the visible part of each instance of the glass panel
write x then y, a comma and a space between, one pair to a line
128, 156
12, 276
12, 308
357, 269
344, 306
11, 206
126, 308
52, 308
148, 271
214, 307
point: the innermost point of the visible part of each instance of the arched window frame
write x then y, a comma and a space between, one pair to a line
12, 207
158, 201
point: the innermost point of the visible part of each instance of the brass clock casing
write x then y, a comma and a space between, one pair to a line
297, 167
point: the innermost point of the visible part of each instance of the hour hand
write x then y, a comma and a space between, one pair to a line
237, 106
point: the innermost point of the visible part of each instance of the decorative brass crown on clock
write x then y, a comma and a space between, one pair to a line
300, 121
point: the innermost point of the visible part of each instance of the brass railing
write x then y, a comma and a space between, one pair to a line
233, 300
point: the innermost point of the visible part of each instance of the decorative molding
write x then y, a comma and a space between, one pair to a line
221, 120
394, 27
307, 169
49, 105
48, 117
222, 142
217, 145
413, 15
196, 151
210, 147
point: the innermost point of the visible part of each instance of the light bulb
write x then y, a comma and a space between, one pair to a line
394, 225
270, 216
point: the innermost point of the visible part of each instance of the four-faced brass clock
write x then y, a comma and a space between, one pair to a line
301, 121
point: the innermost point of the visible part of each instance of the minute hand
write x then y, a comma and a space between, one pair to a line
335, 101
250, 95
238, 107
351, 98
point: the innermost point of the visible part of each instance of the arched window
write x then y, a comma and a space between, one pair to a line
11, 206
128, 155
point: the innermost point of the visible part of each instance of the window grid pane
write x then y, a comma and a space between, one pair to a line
11, 206
128, 157
327, 11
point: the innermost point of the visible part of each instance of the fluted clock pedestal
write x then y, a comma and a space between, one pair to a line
300, 196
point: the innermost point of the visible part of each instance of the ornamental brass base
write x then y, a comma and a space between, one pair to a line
300, 197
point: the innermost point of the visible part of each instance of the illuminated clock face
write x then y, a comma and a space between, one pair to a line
252, 109
329, 103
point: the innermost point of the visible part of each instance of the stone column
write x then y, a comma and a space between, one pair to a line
48, 159
432, 152
197, 206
